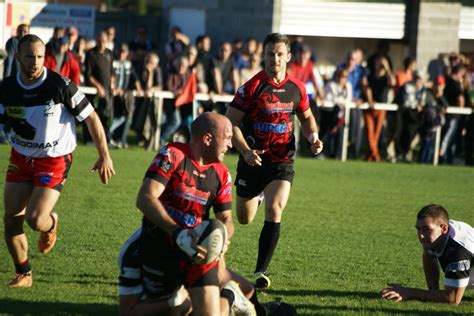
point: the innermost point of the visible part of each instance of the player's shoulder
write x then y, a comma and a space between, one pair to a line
222, 172
299, 84
58, 81
175, 151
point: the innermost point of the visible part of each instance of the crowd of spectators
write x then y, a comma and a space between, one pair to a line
126, 75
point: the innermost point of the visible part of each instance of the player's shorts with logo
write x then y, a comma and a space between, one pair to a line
251, 180
48, 172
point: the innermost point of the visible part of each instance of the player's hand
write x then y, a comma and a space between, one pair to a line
105, 168
186, 239
252, 157
316, 143
394, 292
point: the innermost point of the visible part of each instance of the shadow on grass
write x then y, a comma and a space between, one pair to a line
18, 307
322, 310
313, 309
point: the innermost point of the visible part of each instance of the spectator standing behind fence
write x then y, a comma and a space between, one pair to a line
176, 45
111, 32
98, 74
203, 45
379, 84
253, 68
302, 68
242, 57
62, 61
123, 99
150, 81
338, 92
139, 47
225, 75
432, 116
72, 33
437, 67
358, 79
58, 32
175, 82
454, 94
79, 52
11, 46
411, 99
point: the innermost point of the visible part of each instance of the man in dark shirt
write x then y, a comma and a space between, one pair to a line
99, 70
262, 115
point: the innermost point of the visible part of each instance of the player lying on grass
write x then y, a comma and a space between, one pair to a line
449, 242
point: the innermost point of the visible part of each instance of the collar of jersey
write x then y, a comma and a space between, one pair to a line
269, 80
34, 85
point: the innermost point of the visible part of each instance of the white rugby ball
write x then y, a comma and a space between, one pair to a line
212, 235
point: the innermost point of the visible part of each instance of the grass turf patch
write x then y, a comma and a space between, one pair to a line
347, 231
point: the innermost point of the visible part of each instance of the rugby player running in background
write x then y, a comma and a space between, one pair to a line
262, 115
41, 107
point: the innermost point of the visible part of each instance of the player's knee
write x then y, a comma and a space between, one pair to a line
39, 223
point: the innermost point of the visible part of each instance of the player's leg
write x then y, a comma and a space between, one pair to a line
276, 194
40, 216
132, 300
205, 300
248, 182
16, 197
246, 209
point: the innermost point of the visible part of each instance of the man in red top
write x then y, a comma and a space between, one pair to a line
182, 184
262, 115
62, 61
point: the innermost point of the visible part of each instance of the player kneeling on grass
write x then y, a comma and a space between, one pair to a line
449, 242
139, 296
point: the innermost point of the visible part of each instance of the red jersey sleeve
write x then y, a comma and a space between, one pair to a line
243, 97
304, 102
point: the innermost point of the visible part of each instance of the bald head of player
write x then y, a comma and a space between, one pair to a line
30, 56
211, 137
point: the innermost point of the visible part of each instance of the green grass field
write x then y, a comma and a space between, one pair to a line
347, 231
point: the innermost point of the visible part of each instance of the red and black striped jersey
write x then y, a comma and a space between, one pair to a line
270, 108
190, 189
42, 115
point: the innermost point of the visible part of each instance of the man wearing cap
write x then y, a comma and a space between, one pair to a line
61, 60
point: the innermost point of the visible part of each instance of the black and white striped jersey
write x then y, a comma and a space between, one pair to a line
457, 257
42, 115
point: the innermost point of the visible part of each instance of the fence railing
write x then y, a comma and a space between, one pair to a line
161, 95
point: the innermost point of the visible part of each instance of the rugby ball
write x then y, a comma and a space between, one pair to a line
210, 234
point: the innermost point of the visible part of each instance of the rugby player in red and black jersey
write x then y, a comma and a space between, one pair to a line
262, 115
449, 242
182, 184
41, 107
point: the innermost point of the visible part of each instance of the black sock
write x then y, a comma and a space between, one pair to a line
266, 245
23, 267
229, 295
261, 311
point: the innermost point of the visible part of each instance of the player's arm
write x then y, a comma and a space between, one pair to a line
226, 218
149, 204
104, 163
310, 130
397, 292
431, 269
250, 155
